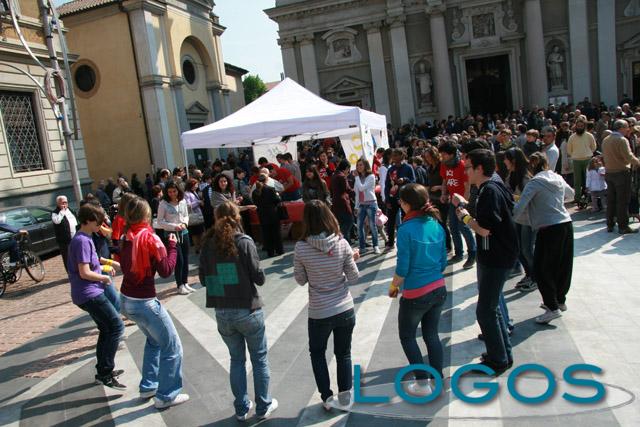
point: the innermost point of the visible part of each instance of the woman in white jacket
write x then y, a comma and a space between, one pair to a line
366, 203
173, 217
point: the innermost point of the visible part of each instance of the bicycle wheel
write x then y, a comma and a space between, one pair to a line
5, 264
34, 266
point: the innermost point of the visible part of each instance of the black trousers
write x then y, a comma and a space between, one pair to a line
618, 196
553, 263
392, 214
272, 239
64, 251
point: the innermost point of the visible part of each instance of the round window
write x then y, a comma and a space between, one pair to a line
85, 78
189, 71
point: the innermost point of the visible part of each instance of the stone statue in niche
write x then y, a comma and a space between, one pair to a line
510, 23
341, 47
555, 68
483, 25
633, 8
458, 26
423, 85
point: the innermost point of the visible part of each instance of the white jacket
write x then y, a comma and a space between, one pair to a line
595, 180
367, 188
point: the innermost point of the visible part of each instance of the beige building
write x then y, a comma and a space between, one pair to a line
147, 70
426, 59
34, 167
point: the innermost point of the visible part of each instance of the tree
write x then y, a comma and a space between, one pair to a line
254, 87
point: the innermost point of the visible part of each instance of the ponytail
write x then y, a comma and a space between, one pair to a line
228, 223
225, 229
431, 211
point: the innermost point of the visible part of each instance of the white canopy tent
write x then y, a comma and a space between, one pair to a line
289, 113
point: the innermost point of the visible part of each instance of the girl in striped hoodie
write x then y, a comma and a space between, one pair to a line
324, 259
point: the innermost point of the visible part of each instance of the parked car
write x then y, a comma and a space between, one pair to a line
37, 221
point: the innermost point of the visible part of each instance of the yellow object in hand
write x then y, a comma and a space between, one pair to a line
107, 268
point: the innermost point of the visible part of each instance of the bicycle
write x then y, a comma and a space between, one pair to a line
28, 261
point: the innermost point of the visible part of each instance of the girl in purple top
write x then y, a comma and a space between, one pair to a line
87, 292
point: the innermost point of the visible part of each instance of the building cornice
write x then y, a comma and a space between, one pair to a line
158, 7
310, 8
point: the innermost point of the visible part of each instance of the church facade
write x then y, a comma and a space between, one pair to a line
428, 59
146, 71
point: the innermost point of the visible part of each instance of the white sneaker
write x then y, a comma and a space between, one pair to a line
562, 307
419, 388
270, 409
147, 394
326, 405
189, 288
181, 398
245, 417
182, 290
376, 250
344, 402
548, 316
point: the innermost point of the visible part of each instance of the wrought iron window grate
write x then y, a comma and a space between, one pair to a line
21, 131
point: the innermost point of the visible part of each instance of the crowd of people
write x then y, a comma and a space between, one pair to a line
487, 185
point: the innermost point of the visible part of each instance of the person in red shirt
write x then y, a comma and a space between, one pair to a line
290, 183
325, 168
455, 181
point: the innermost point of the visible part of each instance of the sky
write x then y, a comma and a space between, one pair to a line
250, 40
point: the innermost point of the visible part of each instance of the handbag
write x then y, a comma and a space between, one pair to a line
283, 214
196, 219
381, 219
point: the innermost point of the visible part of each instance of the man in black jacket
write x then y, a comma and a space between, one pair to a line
64, 226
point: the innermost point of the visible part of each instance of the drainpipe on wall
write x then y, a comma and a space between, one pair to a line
68, 134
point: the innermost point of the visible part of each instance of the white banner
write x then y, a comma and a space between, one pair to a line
353, 147
270, 151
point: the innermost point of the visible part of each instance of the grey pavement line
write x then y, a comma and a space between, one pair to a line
193, 318
12, 416
127, 409
377, 302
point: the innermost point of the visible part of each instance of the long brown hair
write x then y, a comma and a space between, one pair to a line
417, 197
228, 223
367, 166
318, 218
125, 198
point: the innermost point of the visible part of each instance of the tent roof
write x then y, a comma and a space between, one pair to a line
287, 109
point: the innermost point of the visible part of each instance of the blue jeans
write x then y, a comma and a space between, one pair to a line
162, 362
240, 329
490, 317
319, 330
425, 311
367, 211
505, 311
458, 230
111, 329
112, 295
527, 238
